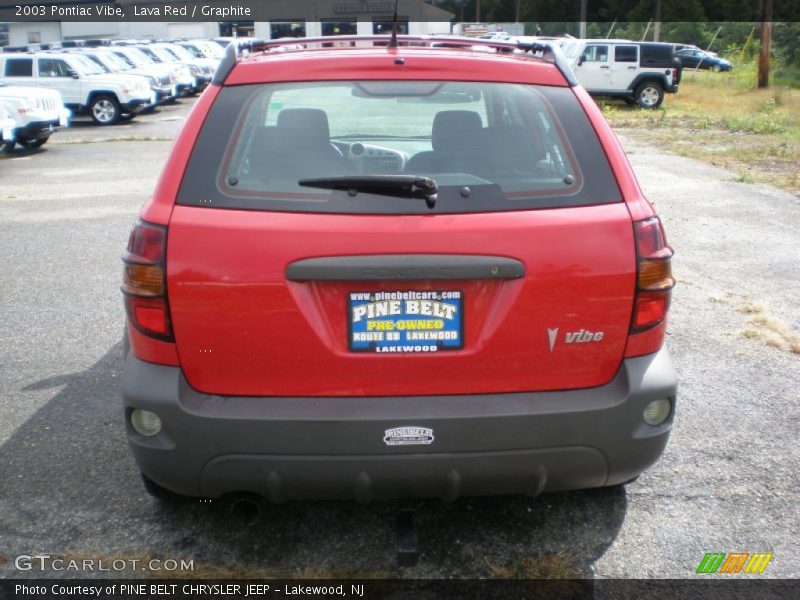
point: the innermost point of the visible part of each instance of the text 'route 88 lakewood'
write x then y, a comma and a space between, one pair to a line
150, 590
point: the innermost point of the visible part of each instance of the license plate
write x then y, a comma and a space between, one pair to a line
405, 321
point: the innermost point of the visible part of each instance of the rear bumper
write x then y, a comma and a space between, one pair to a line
333, 448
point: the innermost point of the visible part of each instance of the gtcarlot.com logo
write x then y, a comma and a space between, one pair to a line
49, 562
735, 562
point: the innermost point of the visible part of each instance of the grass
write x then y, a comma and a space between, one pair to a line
544, 566
724, 119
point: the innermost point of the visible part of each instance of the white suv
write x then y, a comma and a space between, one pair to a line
33, 114
639, 72
7, 126
106, 97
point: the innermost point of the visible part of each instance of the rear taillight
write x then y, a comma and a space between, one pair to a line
144, 282
654, 280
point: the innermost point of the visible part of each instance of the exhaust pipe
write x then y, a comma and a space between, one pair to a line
246, 510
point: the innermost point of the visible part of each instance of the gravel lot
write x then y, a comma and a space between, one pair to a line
727, 482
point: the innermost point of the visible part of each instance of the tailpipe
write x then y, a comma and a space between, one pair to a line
246, 509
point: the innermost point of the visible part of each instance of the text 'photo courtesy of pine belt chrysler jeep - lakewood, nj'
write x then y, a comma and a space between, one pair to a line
395, 269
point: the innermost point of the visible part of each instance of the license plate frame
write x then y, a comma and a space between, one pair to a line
405, 321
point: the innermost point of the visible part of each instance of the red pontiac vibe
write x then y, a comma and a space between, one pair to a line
423, 270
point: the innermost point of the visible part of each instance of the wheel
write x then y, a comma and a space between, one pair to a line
105, 110
8, 147
649, 94
716, 68
37, 143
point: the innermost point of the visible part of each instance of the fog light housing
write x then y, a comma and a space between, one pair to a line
657, 411
145, 423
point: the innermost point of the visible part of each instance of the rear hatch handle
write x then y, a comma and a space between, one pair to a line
404, 267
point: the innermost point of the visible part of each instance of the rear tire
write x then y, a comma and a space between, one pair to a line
649, 95
38, 143
8, 147
105, 109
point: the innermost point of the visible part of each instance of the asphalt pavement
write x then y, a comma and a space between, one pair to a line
728, 481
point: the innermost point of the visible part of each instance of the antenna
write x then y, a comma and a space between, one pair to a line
393, 41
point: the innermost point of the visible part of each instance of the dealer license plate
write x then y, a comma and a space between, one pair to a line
405, 321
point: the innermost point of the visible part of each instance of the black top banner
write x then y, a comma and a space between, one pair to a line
540, 11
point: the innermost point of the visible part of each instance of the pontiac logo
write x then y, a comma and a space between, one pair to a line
408, 436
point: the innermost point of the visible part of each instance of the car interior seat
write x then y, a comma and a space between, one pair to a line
455, 137
298, 146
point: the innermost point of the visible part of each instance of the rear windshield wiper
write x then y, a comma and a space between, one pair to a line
398, 186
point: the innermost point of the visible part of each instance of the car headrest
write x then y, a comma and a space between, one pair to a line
308, 124
453, 128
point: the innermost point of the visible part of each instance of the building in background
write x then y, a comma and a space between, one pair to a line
349, 17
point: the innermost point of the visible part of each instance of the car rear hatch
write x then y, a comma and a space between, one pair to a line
313, 292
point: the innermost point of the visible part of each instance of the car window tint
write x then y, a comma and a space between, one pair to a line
19, 67
625, 54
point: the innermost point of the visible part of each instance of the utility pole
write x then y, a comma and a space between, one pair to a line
766, 41
583, 19
477, 11
657, 27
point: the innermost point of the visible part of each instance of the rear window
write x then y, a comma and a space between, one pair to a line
489, 147
657, 55
19, 67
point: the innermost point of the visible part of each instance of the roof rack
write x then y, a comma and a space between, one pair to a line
544, 49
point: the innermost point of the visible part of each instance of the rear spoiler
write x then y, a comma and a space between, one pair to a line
544, 50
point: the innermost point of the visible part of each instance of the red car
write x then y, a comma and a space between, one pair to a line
375, 271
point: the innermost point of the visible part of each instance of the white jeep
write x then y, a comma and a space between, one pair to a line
85, 88
32, 116
7, 126
638, 72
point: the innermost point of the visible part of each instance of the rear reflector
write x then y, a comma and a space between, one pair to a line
654, 280
650, 309
144, 281
149, 315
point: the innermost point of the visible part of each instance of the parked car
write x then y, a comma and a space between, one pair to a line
640, 72
396, 272
7, 126
203, 48
180, 77
83, 85
198, 78
161, 83
204, 65
692, 59
691, 47
35, 114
